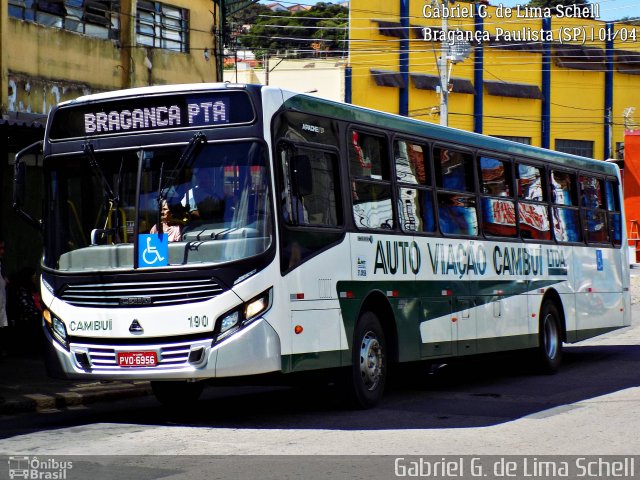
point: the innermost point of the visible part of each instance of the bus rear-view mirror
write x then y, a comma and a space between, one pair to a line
20, 182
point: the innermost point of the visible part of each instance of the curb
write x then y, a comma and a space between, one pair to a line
37, 402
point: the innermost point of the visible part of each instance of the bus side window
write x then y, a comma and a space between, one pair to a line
612, 205
415, 199
457, 214
310, 194
592, 202
566, 215
453, 169
370, 181
533, 211
310, 202
454, 173
368, 156
498, 207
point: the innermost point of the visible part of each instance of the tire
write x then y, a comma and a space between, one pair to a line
367, 379
549, 351
177, 393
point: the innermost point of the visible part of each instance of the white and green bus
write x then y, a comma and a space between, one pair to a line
213, 231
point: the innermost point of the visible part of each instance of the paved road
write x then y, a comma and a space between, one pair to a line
490, 406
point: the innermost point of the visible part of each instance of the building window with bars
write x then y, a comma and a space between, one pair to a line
584, 148
162, 26
525, 140
95, 18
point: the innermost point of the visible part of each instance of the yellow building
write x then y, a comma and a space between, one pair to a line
52, 51
557, 81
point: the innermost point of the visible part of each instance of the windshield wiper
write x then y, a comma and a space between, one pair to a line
87, 149
112, 198
186, 160
160, 198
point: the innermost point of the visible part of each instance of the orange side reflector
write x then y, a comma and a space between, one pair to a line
298, 329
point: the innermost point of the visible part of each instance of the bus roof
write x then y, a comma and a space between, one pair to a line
152, 90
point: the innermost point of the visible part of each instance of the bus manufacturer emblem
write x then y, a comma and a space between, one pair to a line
136, 327
136, 301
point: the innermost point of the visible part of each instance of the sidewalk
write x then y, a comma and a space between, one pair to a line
25, 387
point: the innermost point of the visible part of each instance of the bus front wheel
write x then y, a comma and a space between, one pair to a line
549, 350
177, 393
369, 362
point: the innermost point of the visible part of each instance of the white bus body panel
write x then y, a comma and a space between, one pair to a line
313, 301
253, 350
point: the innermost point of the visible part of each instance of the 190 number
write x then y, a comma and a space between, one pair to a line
198, 321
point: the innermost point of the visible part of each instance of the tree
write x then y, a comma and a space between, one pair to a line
322, 28
247, 16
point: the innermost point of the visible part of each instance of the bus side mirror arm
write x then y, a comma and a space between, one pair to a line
19, 185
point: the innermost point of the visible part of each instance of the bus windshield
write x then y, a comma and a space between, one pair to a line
213, 208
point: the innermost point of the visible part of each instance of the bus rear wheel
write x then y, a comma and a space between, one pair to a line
549, 351
177, 393
369, 362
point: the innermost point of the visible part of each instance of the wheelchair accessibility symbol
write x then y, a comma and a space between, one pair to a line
153, 250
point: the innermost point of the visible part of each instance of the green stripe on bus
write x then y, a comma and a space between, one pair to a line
312, 361
431, 350
483, 291
416, 302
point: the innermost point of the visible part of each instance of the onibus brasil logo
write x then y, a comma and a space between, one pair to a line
38, 469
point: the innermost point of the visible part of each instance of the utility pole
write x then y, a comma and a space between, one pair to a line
443, 67
612, 151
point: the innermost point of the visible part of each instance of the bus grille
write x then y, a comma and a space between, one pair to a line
141, 294
169, 356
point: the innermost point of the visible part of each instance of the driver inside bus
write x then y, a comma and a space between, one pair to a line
203, 201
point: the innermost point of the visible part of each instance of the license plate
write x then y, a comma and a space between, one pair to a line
137, 359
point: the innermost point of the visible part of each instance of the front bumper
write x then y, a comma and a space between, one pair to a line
253, 350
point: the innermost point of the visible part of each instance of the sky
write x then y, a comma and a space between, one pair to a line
609, 9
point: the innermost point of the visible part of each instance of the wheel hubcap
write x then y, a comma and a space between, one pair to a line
551, 337
371, 360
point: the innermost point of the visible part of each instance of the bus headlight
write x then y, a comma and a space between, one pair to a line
243, 315
258, 305
230, 321
56, 327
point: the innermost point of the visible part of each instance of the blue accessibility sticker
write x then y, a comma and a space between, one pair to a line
153, 250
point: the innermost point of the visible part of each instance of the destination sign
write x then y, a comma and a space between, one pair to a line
162, 112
